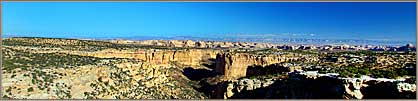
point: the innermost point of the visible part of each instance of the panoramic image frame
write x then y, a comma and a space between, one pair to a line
208, 50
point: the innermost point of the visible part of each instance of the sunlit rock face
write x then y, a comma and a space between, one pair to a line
192, 57
234, 65
352, 89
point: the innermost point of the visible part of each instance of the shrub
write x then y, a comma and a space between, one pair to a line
30, 89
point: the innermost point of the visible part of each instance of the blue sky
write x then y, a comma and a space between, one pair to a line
342, 20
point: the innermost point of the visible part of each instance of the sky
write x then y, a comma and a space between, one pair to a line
322, 20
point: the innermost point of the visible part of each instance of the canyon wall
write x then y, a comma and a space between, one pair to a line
234, 65
192, 57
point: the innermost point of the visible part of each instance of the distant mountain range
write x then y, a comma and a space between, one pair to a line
281, 40
292, 41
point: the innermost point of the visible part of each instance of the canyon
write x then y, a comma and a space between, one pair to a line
191, 70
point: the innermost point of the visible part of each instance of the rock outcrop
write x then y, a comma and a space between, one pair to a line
237, 86
352, 88
301, 87
192, 57
234, 65
402, 87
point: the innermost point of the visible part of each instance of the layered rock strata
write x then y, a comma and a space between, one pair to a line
234, 65
192, 57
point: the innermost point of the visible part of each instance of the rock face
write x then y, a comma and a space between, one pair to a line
234, 65
186, 57
229, 92
191, 57
352, 88
406, 87
238, 86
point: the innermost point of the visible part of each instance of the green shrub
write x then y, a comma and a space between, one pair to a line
30, 89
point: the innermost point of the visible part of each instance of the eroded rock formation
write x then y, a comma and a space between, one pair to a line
234, 65
300, 87
192, 57
352, 88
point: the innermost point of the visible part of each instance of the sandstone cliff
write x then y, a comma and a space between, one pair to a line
192, 57
234, 65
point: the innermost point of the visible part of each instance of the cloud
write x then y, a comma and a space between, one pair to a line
312, 34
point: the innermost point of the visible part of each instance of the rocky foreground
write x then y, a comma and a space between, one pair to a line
48, 68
